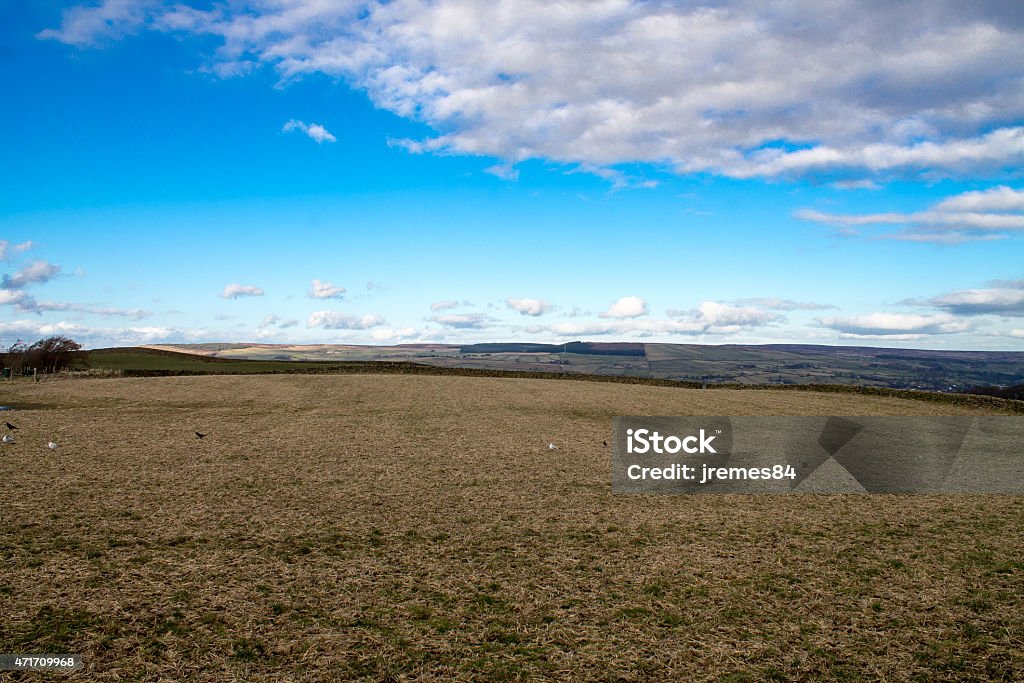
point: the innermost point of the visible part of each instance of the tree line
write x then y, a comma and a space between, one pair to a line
51, 354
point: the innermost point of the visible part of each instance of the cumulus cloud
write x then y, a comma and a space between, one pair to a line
996, 213
531, 307
274, 320
709, 318
235, 291
737, 88
1000, 198
463, 321
325, 290
444, 305
34, 273
312, 130
895, 325
1005, 301
713, 317
7, 249
335, 320
626, 307
17, 297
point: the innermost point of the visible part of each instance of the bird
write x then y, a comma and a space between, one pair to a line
52, 445
8, 438
604, 443
200, 435
10, 426
552, 447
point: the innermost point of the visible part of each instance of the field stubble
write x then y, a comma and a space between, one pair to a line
416, 527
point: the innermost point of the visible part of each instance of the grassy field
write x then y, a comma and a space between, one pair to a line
392, 527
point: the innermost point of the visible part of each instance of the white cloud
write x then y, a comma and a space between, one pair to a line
7, 249
998, 301
274, 320
312, 130
98, 336
847, 87
532, 307
709, 318
626, 307
110, 312
1017, 333
996, 213
1000, 198
394, 335
335, 320
234, 291
895, 325
17, 297
856, 185
325, 290
777, 304
503, 171
87, 24
463, 321
37, 272
443, 305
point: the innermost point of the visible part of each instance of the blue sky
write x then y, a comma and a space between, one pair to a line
304, 171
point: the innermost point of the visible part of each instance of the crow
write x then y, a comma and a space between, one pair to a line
200, 435
10, 426
605, 443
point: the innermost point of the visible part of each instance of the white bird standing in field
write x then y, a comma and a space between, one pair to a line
8, 438
552, 447
52, 445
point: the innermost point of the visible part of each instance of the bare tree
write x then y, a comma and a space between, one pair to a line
16, 357
53, 353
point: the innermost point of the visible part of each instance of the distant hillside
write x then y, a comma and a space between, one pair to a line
772, 364
577, 347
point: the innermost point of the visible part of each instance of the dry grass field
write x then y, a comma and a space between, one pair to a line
389, 527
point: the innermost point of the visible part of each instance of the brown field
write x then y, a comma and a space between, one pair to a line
390, 527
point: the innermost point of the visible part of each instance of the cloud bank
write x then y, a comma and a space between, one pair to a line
738, 88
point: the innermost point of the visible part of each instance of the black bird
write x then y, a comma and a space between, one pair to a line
10, 426
605, 443
200, 435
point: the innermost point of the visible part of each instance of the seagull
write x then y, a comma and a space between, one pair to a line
10, 426
52, 445
200, 435
7, 438
552, 447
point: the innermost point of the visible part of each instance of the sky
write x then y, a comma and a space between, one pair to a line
314, 171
